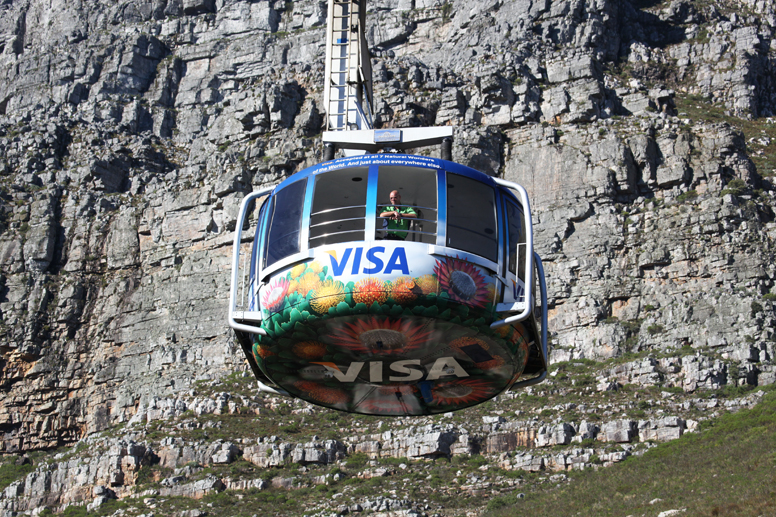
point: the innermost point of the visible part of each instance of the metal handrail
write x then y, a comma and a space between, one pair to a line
337, 233
409, 218
529, 255
337, 221
406, 231
236, 264
335, 209
389, 205
409, 206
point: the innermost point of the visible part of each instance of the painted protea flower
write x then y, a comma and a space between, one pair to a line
380, 335
461, 392
504, 332
321, 393
462, 281
309, 350
369, 291
316, 266
262, 351
512, 334
306, 283
274, 294
427, 283
327, 295
293, 285
297, 270
404, 290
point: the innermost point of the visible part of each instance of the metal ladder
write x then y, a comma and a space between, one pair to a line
348, 86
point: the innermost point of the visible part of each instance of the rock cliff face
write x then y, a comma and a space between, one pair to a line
131, 130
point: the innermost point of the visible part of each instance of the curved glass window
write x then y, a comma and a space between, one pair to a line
339, 206
471, 217
417, 188
285, 223
516, 238
258, 235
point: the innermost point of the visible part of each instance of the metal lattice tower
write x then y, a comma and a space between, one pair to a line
348, 88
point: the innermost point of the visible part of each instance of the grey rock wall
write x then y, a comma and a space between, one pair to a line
130, 131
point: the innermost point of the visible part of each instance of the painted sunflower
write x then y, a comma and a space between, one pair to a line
462, 281
309, 350
327, 295
369, 291
274, 294
461, 392
380, 335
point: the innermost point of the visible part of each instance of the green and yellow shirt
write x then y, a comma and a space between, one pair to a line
398, 228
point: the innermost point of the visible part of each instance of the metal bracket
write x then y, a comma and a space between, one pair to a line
544, 347
373, 140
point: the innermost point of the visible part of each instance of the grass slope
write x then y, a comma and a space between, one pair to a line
726, 469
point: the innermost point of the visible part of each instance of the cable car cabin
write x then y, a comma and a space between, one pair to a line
427, 312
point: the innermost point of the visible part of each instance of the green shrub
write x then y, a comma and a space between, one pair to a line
690, 194
735, 187
655, 329
503, 501
356, 460
10, 472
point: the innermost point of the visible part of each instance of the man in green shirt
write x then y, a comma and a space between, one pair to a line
398, 218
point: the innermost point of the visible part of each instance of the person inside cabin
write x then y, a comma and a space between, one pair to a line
397, 217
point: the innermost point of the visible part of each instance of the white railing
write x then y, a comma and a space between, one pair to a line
528, 276
236, 316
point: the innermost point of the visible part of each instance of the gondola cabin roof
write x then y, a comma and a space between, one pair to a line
389, 159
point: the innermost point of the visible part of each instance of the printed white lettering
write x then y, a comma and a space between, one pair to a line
401, 367
353, 370
445, 366
410, 370
376, 371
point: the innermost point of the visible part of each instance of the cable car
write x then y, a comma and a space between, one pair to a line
385, 283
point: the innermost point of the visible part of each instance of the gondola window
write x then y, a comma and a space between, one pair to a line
285, 223
339, 207
471, 217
